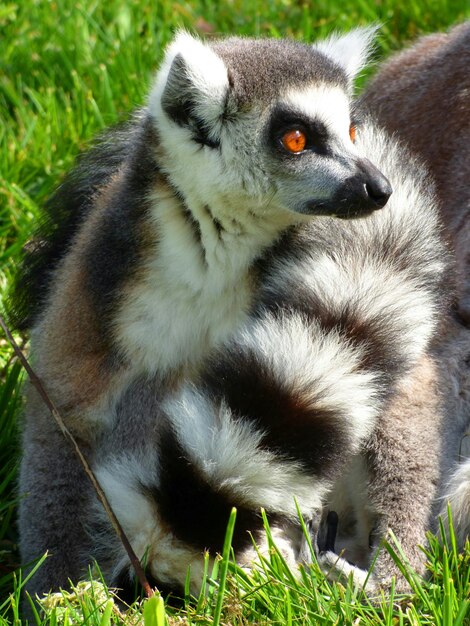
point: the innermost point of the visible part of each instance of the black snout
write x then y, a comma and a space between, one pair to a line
367, 191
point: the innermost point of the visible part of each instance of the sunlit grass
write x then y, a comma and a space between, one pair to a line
271, 593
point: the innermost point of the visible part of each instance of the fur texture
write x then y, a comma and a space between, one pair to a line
213, 333
422, 96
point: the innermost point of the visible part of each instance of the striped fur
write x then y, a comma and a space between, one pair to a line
213, 332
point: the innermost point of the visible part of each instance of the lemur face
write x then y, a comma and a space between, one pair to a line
310, 138
268, 124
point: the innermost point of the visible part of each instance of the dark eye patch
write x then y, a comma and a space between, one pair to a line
284, 119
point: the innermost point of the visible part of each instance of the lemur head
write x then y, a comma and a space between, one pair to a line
268, 122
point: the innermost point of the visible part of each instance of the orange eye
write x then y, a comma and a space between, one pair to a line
352, 133
294, 141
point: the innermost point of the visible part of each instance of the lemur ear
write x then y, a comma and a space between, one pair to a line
350, 51
191, 86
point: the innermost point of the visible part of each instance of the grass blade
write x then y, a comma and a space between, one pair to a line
224, 566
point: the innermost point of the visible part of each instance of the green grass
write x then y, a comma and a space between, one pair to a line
272, 594
70, 68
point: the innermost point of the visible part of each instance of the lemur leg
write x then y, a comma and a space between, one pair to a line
403, 461
54, 492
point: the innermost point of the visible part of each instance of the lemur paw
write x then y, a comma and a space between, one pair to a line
251, 557
338, 569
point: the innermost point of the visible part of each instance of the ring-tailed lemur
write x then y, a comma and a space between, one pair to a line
223, 312
422, 95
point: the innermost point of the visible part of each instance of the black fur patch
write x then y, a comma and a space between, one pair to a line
114, 254
295, 426
195, 511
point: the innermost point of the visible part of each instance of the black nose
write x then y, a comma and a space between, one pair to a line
376, 187
379, 190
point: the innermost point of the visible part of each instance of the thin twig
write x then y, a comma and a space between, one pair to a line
36, 382
10, 359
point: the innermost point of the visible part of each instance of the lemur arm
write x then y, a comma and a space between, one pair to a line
403, 462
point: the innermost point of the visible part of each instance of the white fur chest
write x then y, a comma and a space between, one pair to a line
193, 292
171, 327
